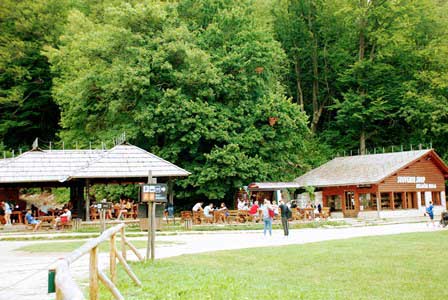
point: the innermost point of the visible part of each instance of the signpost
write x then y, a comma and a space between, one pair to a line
103, 206
152, 193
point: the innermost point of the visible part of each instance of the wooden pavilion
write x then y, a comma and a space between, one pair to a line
80, 169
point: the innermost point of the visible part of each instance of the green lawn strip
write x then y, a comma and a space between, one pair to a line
69, 246
405, 266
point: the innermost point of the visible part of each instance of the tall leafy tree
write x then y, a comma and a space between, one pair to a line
196, 82
26, 106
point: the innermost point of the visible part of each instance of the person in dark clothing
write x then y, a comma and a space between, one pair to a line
285, 214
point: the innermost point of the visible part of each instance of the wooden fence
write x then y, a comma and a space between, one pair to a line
66, 287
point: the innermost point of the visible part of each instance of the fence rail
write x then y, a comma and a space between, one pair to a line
67, 288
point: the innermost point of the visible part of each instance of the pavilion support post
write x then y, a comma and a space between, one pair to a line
77, 198
87, 200
170, 191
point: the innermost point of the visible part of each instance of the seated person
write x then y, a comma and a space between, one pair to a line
253, 211
224, 212
44, 209
208, 211
242, 205
30, 220
198, 206
64, 218
122, 211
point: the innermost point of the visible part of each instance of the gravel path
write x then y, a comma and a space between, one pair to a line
24, 275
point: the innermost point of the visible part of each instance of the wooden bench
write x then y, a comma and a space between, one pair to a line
296, 214
198, 217
233, 216
186, 215
47, 221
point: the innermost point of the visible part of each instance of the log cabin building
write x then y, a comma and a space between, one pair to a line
384, 185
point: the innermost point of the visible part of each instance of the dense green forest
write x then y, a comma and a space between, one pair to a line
232, 91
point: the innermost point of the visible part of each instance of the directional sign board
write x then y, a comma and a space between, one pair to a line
154, 192
104, 205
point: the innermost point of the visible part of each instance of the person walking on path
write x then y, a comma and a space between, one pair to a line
285, 212
268, 214
430, 213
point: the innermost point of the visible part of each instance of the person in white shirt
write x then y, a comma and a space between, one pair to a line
198, 206
241, 204
208, 211
45, 208
64, 218
8, 211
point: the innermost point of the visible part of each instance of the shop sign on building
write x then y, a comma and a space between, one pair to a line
418, 180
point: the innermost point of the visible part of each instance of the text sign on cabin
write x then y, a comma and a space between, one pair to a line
154, 192
418, 180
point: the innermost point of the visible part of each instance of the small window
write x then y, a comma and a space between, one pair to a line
367, 201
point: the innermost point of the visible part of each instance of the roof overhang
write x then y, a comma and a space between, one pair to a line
272, 186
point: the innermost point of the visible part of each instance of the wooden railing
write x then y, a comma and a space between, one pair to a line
66, 287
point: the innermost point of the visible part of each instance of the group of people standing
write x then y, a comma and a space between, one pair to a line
270, 210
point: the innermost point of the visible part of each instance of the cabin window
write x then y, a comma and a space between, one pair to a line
436, 198
398, 200
367, 201
385, 201
334, 203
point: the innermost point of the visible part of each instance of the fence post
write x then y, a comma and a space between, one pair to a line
59, 294
113, 260
123, 245
94, 273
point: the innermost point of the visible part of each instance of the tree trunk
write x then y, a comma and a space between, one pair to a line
317, 111
362, 142
299, 85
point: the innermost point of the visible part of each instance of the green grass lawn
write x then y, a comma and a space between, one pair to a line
69, 246
406, 266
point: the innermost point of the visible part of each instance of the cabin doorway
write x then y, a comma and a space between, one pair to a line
350, 205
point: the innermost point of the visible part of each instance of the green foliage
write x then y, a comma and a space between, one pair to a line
27, 109
61, 195
200, 98
113, 192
